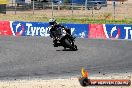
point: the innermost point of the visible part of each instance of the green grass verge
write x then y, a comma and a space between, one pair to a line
82, 20
88, 21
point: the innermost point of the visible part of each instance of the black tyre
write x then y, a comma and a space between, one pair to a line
75, 48
84, 82
68, 43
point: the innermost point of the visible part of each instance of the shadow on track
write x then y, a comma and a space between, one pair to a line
66, 50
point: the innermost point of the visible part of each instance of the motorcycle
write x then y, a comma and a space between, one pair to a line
65, 39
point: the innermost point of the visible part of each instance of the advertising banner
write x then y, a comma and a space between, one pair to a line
5, 28
110, 31
118, 31
96, 31
30, 29
41, 29
78, 30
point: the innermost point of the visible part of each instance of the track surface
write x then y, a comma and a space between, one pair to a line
35, 56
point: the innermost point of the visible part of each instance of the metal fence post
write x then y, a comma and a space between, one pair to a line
12, 3
126, 16
33, 6
86, 1
52, 9
72, 8
15, 7
114, 8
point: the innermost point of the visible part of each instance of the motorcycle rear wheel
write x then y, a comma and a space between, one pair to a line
70, 44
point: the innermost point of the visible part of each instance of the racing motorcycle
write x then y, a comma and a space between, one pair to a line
63, 38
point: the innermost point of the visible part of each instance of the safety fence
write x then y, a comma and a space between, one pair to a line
118, 11
90, 31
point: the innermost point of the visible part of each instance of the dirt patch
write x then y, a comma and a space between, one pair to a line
121, 11
60, 83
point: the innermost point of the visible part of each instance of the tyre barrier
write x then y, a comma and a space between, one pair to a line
90, 31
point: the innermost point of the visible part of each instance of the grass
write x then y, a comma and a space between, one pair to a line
72, 19
96, 21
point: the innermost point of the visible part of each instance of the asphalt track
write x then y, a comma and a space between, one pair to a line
35, 56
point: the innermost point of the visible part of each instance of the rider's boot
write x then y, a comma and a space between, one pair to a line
55, 43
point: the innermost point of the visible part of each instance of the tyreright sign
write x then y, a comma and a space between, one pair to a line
5, 28
90, 31
110, 31
118, 31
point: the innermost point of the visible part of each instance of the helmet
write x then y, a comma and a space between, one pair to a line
52, 21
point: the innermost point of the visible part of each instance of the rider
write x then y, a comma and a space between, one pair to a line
55, 31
